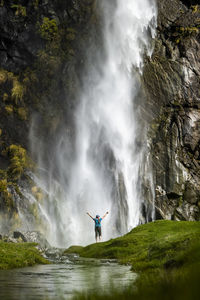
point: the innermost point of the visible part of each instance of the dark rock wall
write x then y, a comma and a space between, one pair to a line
172, 81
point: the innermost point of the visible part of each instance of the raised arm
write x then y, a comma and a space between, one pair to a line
90, 216
105, 215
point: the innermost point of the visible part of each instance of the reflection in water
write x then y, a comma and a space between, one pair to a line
61, 281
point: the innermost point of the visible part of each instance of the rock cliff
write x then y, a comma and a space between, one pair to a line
171, 79
42, 38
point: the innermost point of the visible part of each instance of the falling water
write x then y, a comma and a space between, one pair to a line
103, 174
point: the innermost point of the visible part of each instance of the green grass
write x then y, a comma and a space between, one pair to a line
150, 247
19, 255
165, 254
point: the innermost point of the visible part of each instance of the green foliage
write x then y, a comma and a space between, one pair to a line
19, 160
9, 109
17, 90
195, 8
33, 209
5, 76
5, 97
48, 29
188, 30
38, 193
3, 185
182, 32
22, 113
20, 10
6, 196
19, 255
3, 174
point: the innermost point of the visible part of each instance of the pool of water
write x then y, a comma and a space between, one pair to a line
63, 280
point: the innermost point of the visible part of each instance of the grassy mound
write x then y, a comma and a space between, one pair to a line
160, 244
166, 254
19, 255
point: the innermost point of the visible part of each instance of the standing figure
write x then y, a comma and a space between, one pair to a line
97, 227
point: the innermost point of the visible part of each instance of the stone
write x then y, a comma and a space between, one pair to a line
36, 237
18, 235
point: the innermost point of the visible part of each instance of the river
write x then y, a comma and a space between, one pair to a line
63, 280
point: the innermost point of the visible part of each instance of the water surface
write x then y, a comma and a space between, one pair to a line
62, 281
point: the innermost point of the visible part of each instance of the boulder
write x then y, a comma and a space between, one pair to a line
36, 237
19, 236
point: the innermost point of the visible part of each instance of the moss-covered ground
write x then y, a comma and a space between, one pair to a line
166, 254
19, 255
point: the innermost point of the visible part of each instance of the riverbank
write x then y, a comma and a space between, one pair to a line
166, 254
19, 255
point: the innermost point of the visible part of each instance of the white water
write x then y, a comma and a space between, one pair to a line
103, 173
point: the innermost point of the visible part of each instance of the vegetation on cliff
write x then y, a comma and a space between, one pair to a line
19, 255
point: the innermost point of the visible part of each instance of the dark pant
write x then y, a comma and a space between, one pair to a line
97, 232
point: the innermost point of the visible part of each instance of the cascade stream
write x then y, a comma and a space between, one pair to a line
103, 173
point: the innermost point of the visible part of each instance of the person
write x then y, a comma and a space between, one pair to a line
97, 227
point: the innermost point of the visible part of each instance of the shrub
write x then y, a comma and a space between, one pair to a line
22, 113
9, 109
17, 90
48, 29
19, 160
20, 10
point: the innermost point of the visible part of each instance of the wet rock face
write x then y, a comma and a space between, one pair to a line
172, 78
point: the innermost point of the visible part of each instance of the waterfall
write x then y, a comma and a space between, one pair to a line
101, 171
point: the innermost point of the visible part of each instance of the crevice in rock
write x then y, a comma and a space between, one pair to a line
173, 195
188, 3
